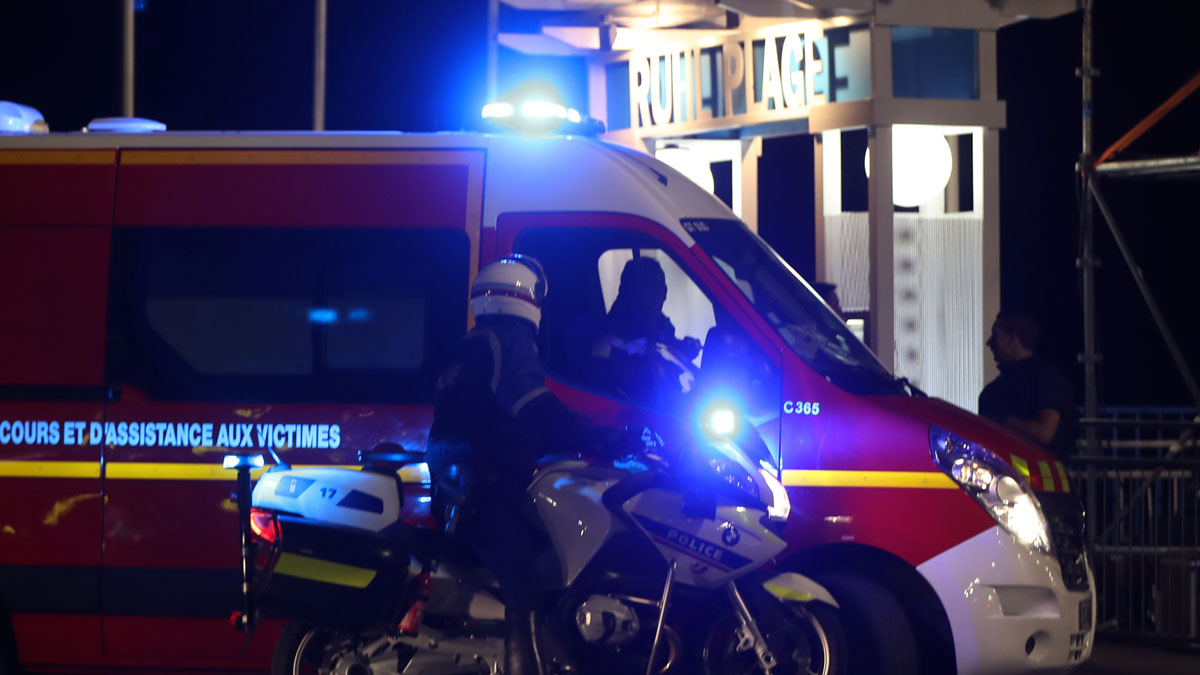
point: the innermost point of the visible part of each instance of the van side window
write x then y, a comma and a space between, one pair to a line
624, 318
687, 307
285, 314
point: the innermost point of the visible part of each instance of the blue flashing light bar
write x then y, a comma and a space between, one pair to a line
497, 110
21, 119
242, 461
128, 125
540, 116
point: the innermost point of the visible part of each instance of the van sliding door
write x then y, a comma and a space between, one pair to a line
294, 301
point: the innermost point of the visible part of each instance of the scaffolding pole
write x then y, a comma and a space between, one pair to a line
1087, 262
319, 30
127, 59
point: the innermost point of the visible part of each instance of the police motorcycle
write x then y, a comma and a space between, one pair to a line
663, 568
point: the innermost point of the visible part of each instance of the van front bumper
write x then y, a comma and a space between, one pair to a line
1009, 609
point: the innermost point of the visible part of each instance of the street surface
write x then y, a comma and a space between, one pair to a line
1133, 659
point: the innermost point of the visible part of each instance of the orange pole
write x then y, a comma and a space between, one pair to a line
1151, 119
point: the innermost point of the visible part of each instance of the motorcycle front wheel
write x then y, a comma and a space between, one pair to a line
808, 641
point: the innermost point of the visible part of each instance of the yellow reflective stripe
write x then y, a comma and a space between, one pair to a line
58, 157
1021, 466
785, 593
23, 469
169, 471
893, 479
325, 571
156, 470
1062, 476
1047, 477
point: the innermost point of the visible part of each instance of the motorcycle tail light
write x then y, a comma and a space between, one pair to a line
264, 525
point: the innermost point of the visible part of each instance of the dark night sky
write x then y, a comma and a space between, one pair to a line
419, 66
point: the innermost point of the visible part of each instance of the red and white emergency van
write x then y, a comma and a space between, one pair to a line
171, 297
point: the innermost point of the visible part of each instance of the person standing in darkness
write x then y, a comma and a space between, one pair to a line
1030, 396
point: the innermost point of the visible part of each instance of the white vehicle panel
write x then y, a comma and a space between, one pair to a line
710, 553
578, 174
567, 495
1003, 599
361, 499
523, 174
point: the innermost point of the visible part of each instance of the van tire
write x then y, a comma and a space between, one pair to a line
878, 634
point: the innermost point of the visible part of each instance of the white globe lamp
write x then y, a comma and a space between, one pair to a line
921, 164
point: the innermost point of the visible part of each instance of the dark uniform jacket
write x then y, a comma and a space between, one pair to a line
492, 410
1025, 387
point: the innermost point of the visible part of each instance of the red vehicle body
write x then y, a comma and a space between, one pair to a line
172, 297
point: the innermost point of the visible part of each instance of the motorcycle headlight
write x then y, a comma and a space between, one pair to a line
734, 472
760, 482
730, 457
994, 484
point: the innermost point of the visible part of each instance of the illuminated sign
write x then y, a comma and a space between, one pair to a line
170, 434
774, 73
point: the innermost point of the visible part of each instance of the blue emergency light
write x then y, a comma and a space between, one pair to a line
721, 421
233, 461
21, 119
540, 116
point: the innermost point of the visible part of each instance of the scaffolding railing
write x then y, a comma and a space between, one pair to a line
1140, 485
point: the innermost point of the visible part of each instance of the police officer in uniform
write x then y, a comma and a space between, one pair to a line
493, 419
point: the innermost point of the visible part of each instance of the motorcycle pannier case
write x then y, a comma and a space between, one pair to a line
333, 576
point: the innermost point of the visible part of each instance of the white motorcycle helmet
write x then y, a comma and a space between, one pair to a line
514, 285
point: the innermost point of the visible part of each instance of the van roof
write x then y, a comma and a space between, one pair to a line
522, 174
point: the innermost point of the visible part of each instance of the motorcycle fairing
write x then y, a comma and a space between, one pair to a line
568, 499
692, 540
793, 587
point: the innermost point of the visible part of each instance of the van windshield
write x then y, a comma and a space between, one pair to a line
809, 327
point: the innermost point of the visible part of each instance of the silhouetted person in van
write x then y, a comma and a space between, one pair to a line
637, 352
493, 418
1030, 396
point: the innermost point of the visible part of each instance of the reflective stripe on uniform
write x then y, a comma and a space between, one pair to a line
527, 398
494, 343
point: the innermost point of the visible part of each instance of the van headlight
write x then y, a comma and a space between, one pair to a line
994, 484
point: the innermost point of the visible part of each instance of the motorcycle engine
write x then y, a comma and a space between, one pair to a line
604, 620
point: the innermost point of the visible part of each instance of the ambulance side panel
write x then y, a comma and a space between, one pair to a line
300, 300
55, 216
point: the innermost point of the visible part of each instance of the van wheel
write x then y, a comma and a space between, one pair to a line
878, 634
